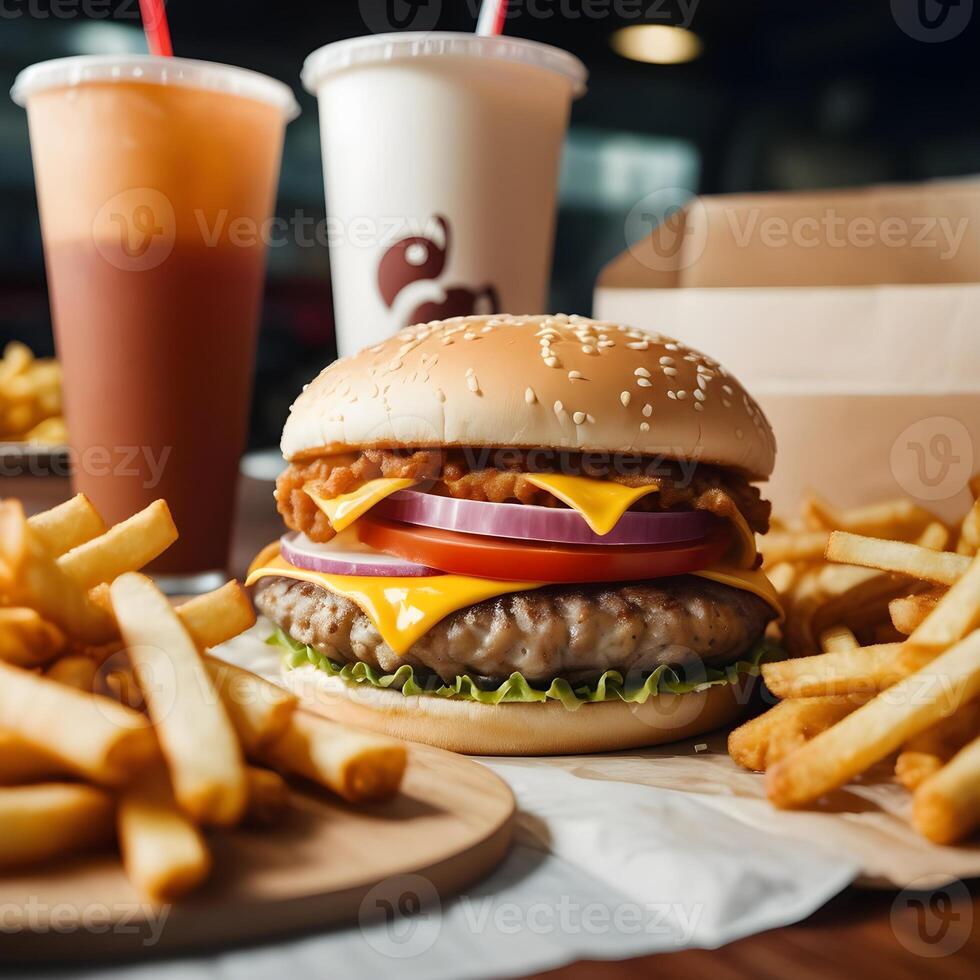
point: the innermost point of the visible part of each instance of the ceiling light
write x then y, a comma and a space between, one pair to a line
656, 44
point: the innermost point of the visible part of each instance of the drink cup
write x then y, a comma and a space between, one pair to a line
155, 179
441, 155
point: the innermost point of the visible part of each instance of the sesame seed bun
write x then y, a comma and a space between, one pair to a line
517, 728
533, 381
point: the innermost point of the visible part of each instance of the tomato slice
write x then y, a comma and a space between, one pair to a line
500, 558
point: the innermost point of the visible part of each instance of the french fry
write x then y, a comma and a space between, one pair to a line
955, 615
946, 807
38, 823
48, 432
67, 526
838, 638
941, 567
763, 740
357, 766
195, 733
935, 537
968, 542
34, 579
908, 612
782, 576
861, 671
268, 797
21, 762
125, 547
76, 671
902, 519
26, 640
790, 546
259, 711
163, 852
217, 616
930, 750
90, 735
879, 727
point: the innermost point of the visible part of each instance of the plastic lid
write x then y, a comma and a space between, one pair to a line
207, 75
376, 48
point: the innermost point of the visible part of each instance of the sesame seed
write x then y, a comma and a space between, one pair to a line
672, 396
604, 344
666, 361
681, 395
559, 408
576, 376
644, 427
726, 403
545, 341
647, 410
487, 328
641, 372
470, 372
589, 419
578, 418
552, 362
472, 383
699, 395
446, 341
469, 335
727, 389
670, 372
644, 382
638, 345
698, 407
588, 349
624, 397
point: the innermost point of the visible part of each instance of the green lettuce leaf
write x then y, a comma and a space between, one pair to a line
610, 686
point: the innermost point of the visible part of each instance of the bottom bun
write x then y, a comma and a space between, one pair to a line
517, 728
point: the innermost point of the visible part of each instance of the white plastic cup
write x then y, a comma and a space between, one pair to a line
441, 155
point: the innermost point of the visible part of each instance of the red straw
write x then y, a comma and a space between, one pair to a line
493, 13
156, 28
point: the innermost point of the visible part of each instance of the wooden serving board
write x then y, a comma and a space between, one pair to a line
327, 863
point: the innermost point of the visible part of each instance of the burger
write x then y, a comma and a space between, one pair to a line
522, 535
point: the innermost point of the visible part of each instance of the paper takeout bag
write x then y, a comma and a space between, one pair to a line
852, 316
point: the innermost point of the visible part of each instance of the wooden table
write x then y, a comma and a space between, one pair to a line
867, 934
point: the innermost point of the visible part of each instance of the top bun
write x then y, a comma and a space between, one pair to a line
562, 382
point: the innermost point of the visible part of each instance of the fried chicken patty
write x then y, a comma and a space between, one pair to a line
576, 631
496, 475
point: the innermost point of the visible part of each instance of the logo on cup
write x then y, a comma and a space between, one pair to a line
667, 230
383, 16
932, 21
933, 921
399, 917
135, 231
932, 459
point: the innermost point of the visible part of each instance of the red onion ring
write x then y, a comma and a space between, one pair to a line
529, 522
345, 555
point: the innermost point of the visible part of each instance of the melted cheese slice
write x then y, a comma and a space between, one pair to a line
342, 511
403, 610
602, 503
752, 580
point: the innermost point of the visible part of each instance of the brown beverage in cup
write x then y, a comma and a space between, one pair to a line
156, 178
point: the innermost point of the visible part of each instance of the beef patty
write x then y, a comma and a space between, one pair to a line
576, 631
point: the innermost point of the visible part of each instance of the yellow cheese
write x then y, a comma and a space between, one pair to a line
402, 609
342, 511
752, 580
600, 502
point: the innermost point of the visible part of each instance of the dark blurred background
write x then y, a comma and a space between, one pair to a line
781, 94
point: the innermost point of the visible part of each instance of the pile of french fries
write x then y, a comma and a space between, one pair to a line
117, 726
883, 627
30, 398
